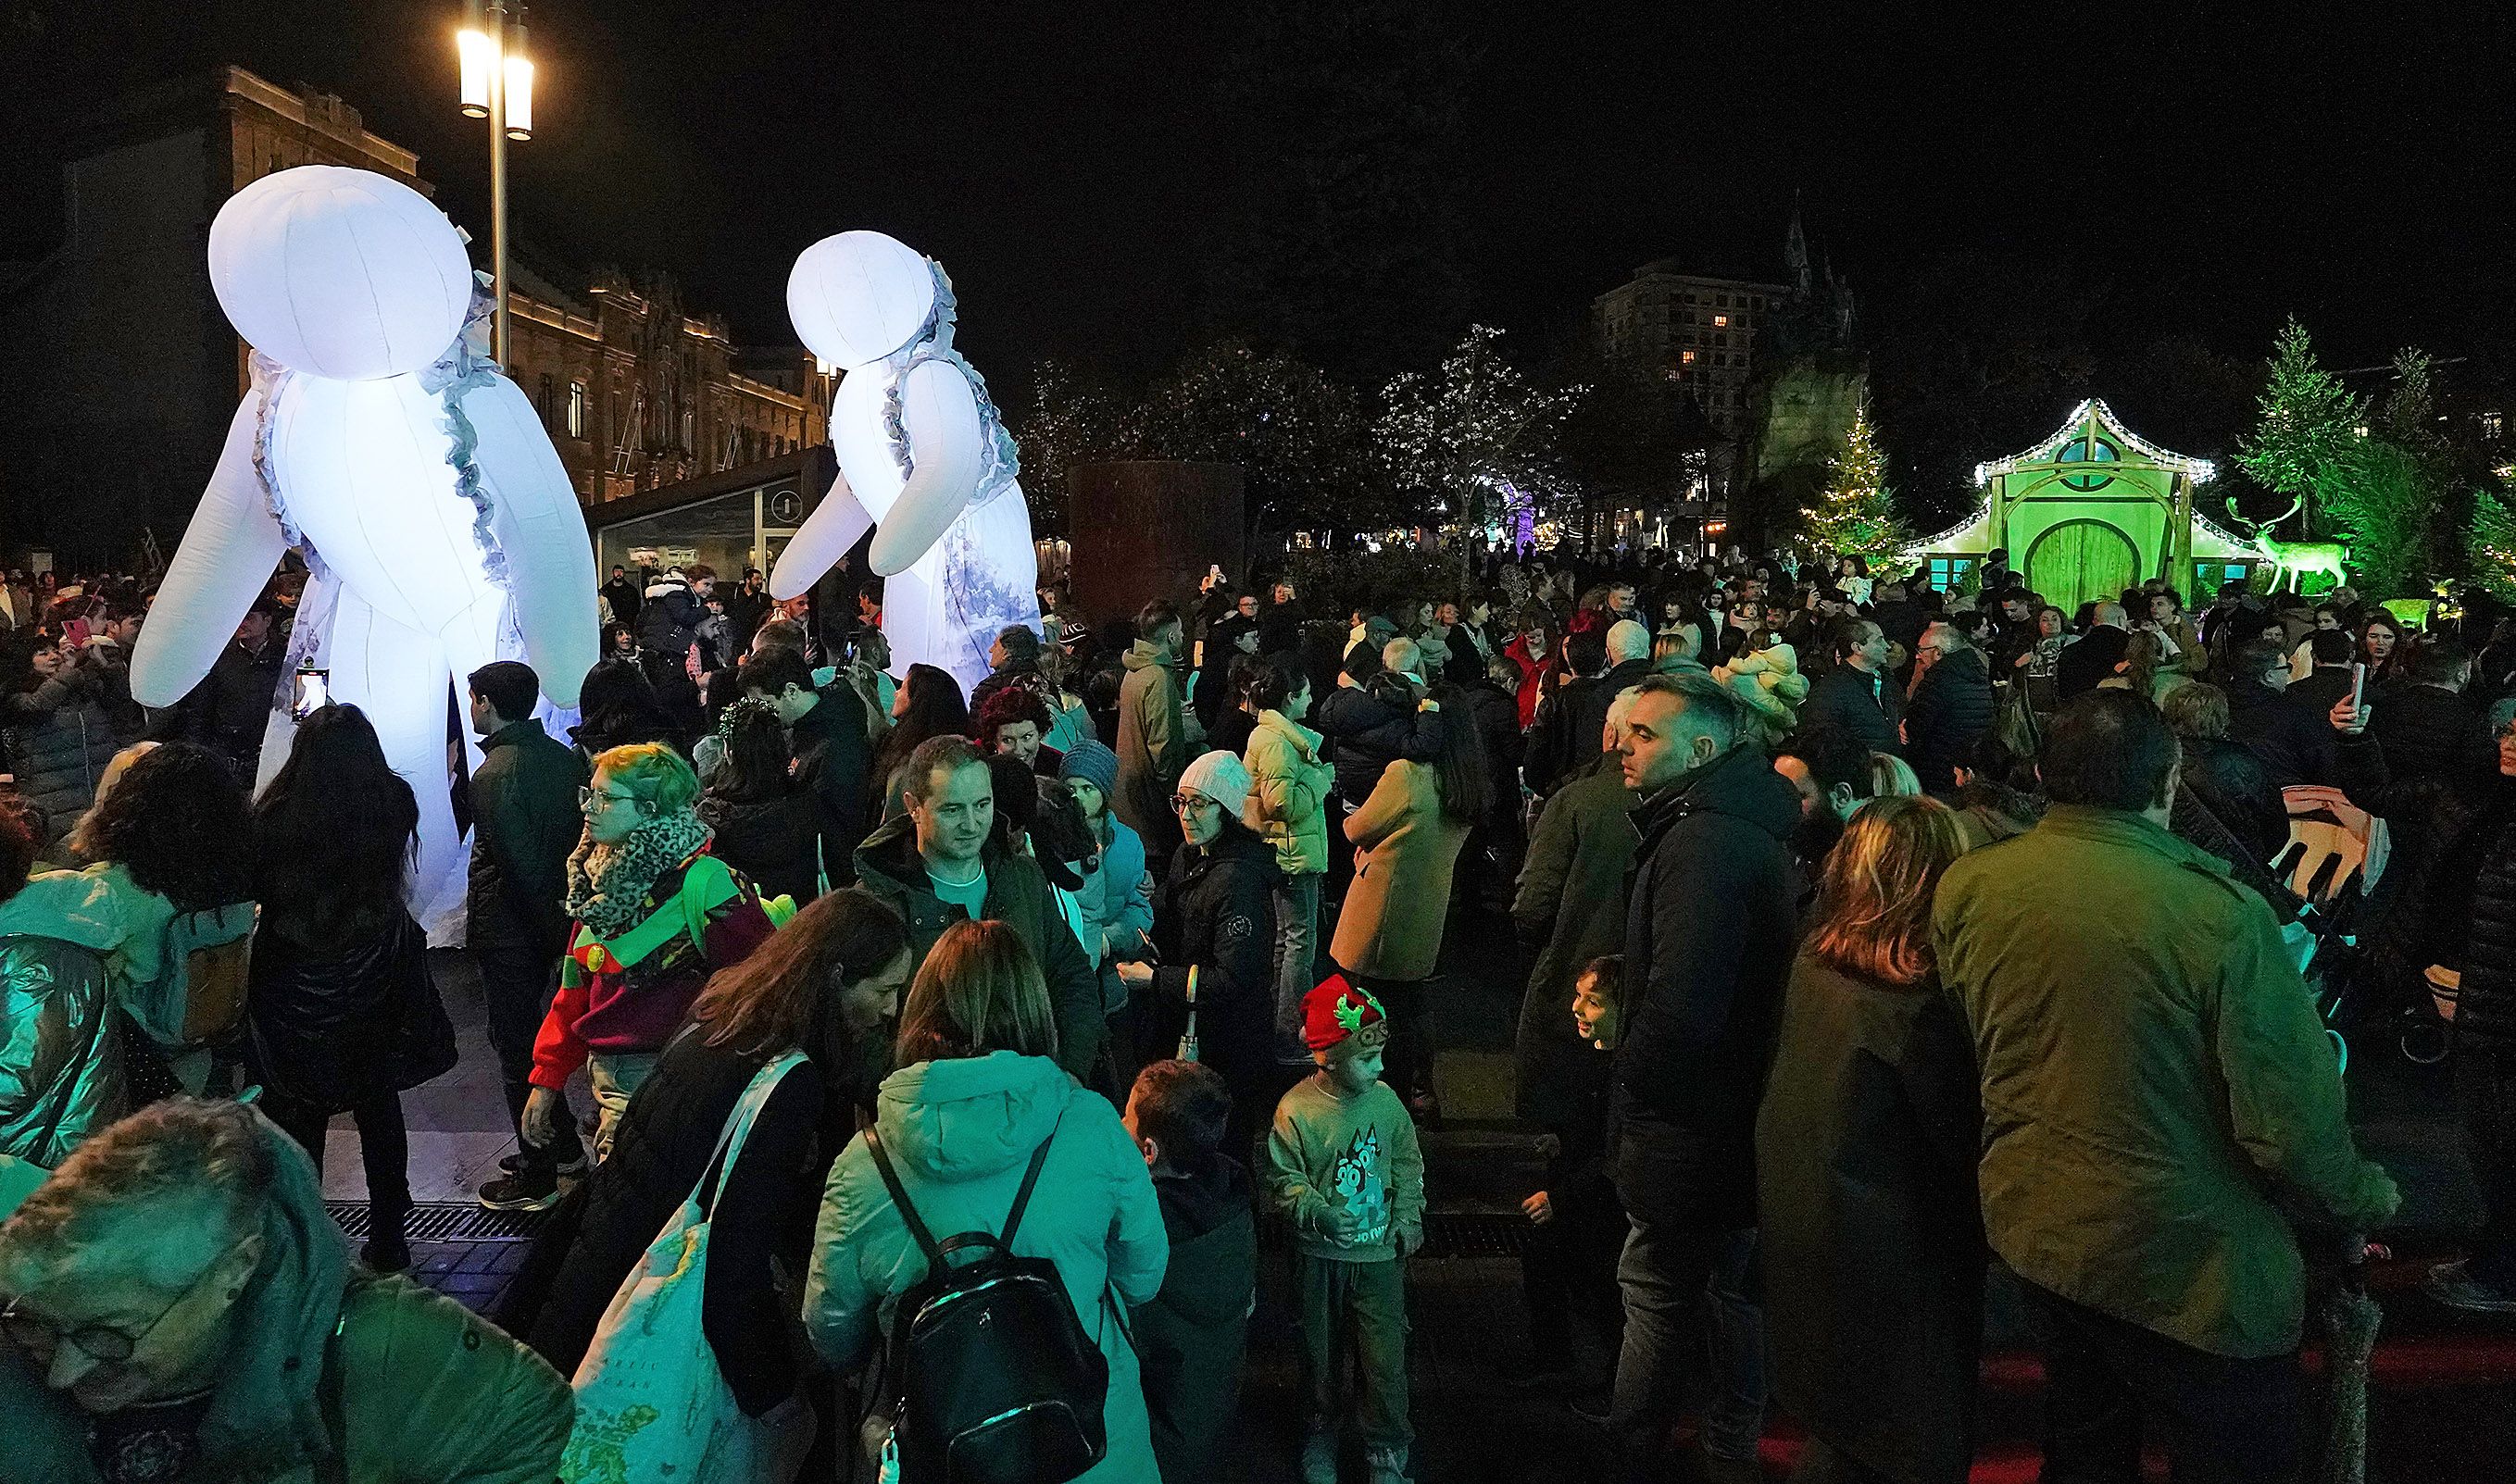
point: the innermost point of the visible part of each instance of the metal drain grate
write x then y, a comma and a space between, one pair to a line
1447, 1234
445, 1221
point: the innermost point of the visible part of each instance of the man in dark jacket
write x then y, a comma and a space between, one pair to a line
526, 821
621, 594
1708, 934
1012, 659
229, 710
2485, 1041
2328, 680
825, 733
2094, 656
2430, 727
668, 620
942, 863
1952, 708
1857, 696
1561, 744
2296, 743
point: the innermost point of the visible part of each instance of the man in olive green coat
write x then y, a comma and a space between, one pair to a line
2154, 1079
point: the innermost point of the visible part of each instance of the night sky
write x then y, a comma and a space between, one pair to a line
2210, 167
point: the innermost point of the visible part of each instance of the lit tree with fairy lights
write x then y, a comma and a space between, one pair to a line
1857, 514
1478, 437
2489, 545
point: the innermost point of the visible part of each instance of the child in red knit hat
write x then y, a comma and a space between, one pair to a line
1344, 1169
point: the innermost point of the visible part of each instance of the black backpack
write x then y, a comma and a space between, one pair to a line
998, 1381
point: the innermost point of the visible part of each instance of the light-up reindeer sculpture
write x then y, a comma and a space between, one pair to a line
2291, 560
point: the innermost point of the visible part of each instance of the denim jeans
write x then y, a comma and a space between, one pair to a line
1665, 1272
1297, 947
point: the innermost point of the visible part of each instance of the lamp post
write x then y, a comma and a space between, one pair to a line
498, 86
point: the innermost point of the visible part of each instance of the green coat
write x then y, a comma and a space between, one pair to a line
1572, 889
2154, 1075
425, 1389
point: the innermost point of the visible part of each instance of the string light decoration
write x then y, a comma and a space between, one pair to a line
2070, 432
1857, 515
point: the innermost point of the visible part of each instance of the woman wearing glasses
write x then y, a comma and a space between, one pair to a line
175, 1305
1214, 921
654, 914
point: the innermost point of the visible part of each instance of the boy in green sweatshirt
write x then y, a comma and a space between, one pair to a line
1344, 1169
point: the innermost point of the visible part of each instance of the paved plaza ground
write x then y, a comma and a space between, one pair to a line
2443, 1395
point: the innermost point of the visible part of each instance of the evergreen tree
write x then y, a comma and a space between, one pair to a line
2384, 503
1857, 514
2306, 418
2489, 545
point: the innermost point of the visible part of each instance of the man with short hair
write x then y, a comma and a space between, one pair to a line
943, 862
108, 658
2330, 652
1560, 743
2092, 657
2297, 742
1710, 930
1856, 696
526, 823
1951, 706
1153, 735
1012, 659
2430, 727
229, 710
825, 735
2157, 1085
620, 595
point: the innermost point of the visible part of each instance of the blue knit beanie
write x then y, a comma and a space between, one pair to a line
1094, 763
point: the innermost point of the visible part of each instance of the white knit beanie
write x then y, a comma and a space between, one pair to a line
1219, 776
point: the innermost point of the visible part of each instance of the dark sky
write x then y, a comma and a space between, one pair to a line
2214, 165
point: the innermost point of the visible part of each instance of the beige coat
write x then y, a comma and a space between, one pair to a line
1405, 847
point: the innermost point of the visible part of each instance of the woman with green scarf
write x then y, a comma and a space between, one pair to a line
655, 915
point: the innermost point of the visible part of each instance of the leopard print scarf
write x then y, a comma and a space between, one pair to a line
608, 885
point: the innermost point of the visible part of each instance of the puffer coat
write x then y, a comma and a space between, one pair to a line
59, 740
60, 1057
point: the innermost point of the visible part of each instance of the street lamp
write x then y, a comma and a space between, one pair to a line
497, 84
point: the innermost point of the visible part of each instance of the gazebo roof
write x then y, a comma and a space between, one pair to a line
2095, 408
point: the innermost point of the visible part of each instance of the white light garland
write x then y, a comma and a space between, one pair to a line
2198, 470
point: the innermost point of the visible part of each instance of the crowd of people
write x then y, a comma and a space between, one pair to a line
1870, 933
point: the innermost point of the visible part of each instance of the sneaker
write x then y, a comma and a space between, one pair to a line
569, 1169
523, 1190
2453, 1284
386, 1253
1319, 1457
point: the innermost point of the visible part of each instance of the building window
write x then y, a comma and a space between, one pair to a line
1686, 358
1725, 301
1948, 573
1720, 321
542, 403
576, 409
2492, 425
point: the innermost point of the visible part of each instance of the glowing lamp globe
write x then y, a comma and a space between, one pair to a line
341, 272
858, 296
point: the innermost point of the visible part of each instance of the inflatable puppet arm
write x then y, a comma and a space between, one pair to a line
226, 560
827, 534
948, 453
540, 530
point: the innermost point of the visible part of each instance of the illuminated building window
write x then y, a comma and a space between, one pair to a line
1720, 321
1686, 357
576, 409
2492, 424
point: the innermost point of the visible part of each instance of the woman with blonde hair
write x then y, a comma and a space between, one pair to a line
978, 1114
1867, 1144
1892, 777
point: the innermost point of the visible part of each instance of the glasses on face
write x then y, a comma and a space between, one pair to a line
111, 1348
590, 799
1190, 804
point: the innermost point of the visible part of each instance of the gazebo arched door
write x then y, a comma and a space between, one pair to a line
2078, 560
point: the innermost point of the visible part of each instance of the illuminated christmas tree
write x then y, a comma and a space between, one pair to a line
1857, 515
2490, 542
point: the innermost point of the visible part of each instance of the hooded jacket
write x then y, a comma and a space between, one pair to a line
1709, 928
2140, 1117
1288, 788
424, 1390
889, 866
1193, 1335
1153, 749
959, 1133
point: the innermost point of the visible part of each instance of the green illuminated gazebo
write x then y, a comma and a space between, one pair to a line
2088, 513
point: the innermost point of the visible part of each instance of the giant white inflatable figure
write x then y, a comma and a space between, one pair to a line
438, 526
923, 458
